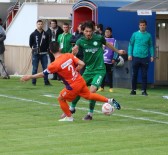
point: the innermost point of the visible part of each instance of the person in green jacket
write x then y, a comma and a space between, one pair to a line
139, 50
64, 39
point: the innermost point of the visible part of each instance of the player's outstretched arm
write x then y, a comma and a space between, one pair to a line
120, 52
35, 76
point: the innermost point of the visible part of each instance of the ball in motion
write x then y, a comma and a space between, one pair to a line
107, 109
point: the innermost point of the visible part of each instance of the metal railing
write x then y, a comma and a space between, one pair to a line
18, 3
12, 10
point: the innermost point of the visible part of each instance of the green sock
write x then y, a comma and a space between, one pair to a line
75, 101
92, 105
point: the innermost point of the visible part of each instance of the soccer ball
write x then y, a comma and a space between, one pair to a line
107, 109
120, 61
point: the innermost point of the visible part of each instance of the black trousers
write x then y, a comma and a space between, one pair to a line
140, 64
52, 58
109, 75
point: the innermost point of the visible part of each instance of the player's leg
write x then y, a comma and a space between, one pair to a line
102, 85
73, 104
64, 106
66, 95
98, 97
95, 84
103, 82
87, 79
85, 93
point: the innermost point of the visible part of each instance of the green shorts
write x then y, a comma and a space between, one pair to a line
94, 79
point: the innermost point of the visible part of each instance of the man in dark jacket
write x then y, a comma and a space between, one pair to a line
3, 73
39, 43
53, 31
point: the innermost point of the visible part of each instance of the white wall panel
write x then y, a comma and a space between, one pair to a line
22, 26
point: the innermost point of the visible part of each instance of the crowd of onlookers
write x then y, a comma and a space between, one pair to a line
40, 38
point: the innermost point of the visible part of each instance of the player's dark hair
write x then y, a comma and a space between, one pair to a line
143, 21
54, 47
88, 24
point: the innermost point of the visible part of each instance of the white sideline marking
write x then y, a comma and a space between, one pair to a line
51, 96
143, 118
148, 111
44, 103
23, 99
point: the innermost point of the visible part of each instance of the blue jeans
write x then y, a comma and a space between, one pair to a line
140, 63
35, 62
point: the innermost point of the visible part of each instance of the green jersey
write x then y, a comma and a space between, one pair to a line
93, 53
64, 42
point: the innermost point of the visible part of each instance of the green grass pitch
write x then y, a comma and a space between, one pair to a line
29, 123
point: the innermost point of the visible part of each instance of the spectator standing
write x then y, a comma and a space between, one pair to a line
99, 29
109, 59
138, 52
64, 39
39, 43
77, 35
3, 73
53, 31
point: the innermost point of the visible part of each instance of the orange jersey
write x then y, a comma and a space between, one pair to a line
65, 66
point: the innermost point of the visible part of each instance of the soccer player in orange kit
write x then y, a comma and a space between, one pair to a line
67, 66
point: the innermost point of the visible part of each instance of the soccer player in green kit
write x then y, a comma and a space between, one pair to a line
92, 47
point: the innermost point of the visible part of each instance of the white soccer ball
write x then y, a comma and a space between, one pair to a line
107, 109
120, 62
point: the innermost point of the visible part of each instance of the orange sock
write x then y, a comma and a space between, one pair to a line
65, 107
97, 97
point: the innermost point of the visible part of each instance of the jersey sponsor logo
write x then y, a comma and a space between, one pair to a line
67, 63
91, 50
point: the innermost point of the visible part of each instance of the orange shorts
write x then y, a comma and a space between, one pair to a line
79, 88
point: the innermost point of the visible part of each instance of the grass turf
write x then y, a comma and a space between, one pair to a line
29, 123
